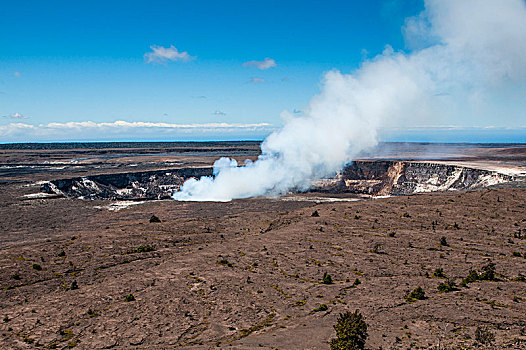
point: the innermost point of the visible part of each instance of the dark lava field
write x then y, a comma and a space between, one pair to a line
249, 274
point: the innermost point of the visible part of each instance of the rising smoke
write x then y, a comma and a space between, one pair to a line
462, 50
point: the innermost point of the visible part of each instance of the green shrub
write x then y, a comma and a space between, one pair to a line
488, 272
154, 219
443, 241
322, 307
37, 267
16, 276
225, 262
439, 273
447, 286
129, 298
74, 285
301, 302
315, 214
62, 254
356, 282
327, 279
142, 249
473, 276
517, 254
484, 336
351, 332
416, 294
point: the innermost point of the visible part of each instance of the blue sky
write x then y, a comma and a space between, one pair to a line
86, 61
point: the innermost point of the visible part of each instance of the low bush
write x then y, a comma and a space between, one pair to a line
142, 249
154, 219
484, 336
447, 286
439, 273
322, 307
415, 295
351, 332
327, 279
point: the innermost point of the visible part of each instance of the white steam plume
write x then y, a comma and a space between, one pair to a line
464, 51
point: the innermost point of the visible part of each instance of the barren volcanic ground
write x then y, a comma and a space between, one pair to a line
248, 273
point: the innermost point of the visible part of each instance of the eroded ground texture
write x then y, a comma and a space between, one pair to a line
248, 274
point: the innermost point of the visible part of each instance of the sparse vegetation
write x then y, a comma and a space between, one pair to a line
154, 219
473, 276
16, 276
322, 307
351, 332
37, 267
356, 282
443, 241
327, 279
484, 336
129, 298
439, 273
225, 262
446, 286
265, 323
487, 273
74, 285
415, 295
301, 302
141, 249
315, 214
62, 254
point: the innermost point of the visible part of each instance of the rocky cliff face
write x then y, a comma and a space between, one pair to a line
381, 178
370, 178
124, 186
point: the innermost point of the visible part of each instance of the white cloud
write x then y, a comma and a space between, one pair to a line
123, 129
16, 116
256, 80
17, 74
161, 54
265, 64
219, 113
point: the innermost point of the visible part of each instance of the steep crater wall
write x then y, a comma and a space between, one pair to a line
383, 178
368, 178
159, 184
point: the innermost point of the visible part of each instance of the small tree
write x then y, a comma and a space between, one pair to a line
154, 219
488, 272
327, 279
351, 332
416, 294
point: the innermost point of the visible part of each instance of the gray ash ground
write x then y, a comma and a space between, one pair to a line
247, 274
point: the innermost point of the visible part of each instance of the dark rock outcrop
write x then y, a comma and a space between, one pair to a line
124, 186
379, 178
